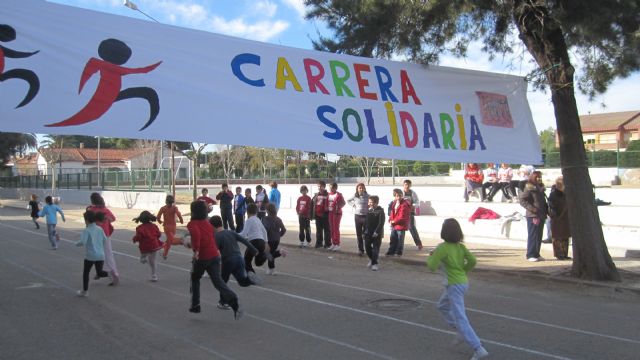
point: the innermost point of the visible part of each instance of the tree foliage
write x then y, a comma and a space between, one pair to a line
603, 35
15, 143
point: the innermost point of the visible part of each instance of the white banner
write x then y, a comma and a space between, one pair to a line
65, 70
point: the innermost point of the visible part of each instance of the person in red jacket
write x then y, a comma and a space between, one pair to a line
473, 178
320, 213
335, 205
148, 238
399, 218
206, 257
303, 209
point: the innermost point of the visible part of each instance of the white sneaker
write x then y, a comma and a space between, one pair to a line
532, 259
330, 248
271, 271
302, 244
369, 264
82, 293
480, 353
154, 278
374, 267
336, 248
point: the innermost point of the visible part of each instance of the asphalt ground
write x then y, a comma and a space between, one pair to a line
319, 305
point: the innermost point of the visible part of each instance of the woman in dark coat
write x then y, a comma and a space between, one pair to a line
559, 213
534, 200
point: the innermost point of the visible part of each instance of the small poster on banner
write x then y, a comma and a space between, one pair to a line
495, 109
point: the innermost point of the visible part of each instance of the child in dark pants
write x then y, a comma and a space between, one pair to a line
93, 239
275, 229
373, 231
303, 209
232, 260
34, 207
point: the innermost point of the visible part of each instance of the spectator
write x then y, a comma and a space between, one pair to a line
473, 178
559, 214
534, 200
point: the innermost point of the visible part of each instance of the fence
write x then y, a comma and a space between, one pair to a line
160, 179
143, 179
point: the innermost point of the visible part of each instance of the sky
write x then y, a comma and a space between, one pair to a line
282, 22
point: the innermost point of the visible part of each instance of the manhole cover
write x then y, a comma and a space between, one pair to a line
394, 304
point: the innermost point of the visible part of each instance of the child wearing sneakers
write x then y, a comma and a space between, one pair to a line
148, 238
373, 231
93, 239
255, 232
303, 209
34, 207
275, 230
232, 260
50, 212
457, 261
169, 212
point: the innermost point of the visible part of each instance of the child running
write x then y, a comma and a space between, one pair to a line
373, 231
148, 238
275, 229
169, 213
206, 257
232, 261
34, 207
457, 261
303, 209
255, 232
50, 212
93, 239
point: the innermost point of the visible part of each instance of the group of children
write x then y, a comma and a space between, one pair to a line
216, 250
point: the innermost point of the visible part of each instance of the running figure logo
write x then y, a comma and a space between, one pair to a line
113, 53
7, 33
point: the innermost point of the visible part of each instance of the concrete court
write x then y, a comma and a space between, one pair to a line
319, 305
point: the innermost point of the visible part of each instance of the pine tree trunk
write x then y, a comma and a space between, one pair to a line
545, 41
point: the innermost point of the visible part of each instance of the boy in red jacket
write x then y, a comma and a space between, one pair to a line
303, 209
399, 218
206, 257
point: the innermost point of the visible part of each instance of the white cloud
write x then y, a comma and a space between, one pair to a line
264, 8
262, 30
297, 5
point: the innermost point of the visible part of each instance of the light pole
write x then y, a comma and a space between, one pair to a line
133, 6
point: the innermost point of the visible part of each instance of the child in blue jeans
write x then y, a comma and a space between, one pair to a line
50, 212
457, 261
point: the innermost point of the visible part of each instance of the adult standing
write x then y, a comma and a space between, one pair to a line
473, 178
359, 201
98, 206
534, 201
274, 195
225, 198
559, 214
412, 198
